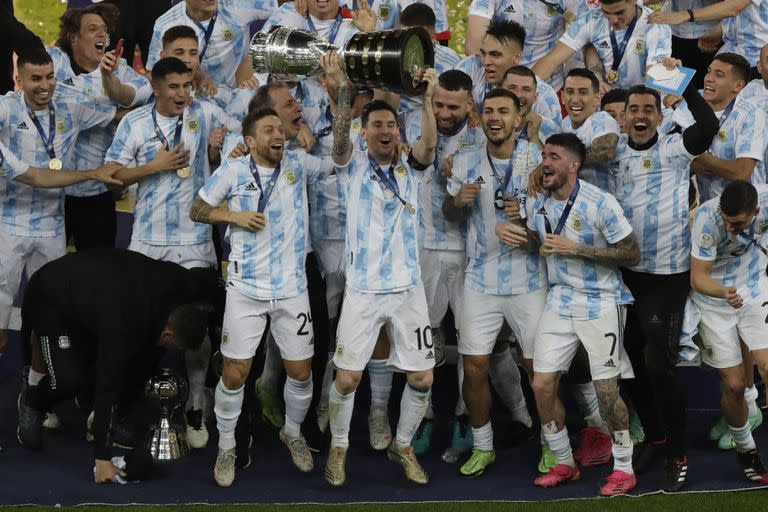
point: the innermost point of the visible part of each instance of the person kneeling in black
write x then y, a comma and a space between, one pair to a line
113, 310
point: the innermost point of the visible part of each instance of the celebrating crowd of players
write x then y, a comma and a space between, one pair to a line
537, 188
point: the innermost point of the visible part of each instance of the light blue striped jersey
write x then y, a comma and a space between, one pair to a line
598, 124
653, 190
229, 41
690, 30
649, 44
737, 261
580, 288
544, 23
92, 145
546, 130
27, 211
743, 134
747, 32
10, 166
388, 11
161, 216
493, 267
445, 59
269, 263
547, 105
287, 16
381, 247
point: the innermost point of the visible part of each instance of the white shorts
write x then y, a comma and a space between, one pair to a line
442, 273
330, 254
19, 253
188, 256
483, 316
721, 327
245, 320
558, 339
405, 316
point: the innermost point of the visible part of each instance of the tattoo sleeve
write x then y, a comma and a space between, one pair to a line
602, 150
534, 242
451, 212
201, 211
342, 145
612, 407
624, 253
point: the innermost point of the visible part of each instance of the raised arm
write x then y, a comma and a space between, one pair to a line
714, 12
547, 65
342, 120
424, 150
115, 90
698, 137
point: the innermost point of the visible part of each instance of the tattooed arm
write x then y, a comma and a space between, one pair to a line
602, 150
624, 253
206, 214
342, 119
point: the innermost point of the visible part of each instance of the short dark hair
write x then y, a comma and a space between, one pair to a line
503, 93
741, 67
374, 106
178, 32
418, 15
34, 56
520, 70
571, 143
643, 89
454, 80
69, 24
253, 116
613, 96
189, 324
506, 32
168, 66
612, 1
584, 73
262, 98
738, 197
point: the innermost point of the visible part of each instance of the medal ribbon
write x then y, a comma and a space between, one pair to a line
507, 172
334, 28
47, 139
207, 32
619, 50
161, 135
265, 192
564, 216
727, 112
387, 179
748, 239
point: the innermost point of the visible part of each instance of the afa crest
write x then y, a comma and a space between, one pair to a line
356, 125
722, 135
193, 125
639, 47
578, 224
290, 177
762, 228
400, 169
385, 11
551, 11
227, 34
647, 164
60, 127
706, 241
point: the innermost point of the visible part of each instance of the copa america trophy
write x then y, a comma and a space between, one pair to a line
166, 392
390, 59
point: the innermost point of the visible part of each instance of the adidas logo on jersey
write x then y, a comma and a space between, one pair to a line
610, 364
604, 44
22, 126
510, 9
251, 186
479, 180
69, 81
430, 355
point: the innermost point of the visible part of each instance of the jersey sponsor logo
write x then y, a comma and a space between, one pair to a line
69, 81
604, 45
251, 187
510, 9
479, 180
22, 126
228, 35
64, 342
706, 241
610, 364
430, 355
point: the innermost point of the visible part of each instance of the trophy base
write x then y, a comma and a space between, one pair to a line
167, 442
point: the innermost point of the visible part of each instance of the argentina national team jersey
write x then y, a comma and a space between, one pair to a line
580, 288
598, 124
10, 166
27, 211
269, 263
653, 191
388, 11
693, 30
742, 134
161, 216
229, 41
287, 16
493, 267
544, 23
747, 32
92, 144
737, 259
445, 60
649, 44
547, 105
381, 234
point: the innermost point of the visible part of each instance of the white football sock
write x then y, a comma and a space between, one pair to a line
228, 404
412, 407
340, 407
482, 438
298, 397
750, 395
742, 437
381, 383
622, 451
559, 443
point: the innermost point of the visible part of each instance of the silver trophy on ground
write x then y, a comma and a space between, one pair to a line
390, 59
166, 392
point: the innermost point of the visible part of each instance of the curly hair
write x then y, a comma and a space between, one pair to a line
69, 25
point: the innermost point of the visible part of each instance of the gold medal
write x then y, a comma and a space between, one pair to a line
410, 208
542, 251
55, 164
183, 173
612, 76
